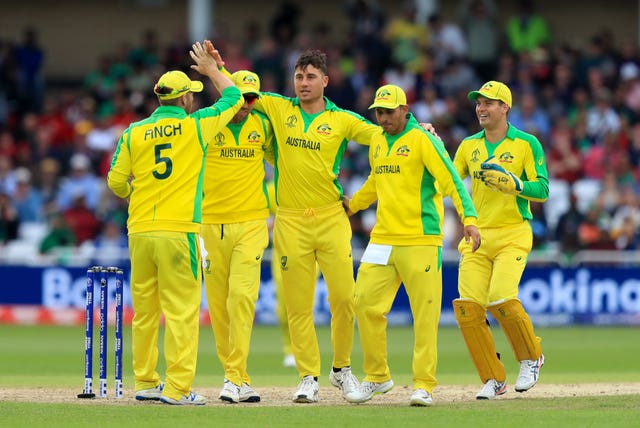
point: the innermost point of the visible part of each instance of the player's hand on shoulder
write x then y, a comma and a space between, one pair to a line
429, 128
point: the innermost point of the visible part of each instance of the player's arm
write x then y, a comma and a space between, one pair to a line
120, 170
269, 138
439, 164
206, 58
364, 196
537, 188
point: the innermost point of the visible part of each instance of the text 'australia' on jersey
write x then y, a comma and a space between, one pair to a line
234, 188
309, 149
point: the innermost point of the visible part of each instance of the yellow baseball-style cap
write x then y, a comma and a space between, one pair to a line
247, 82
174, 84
494, 91
389, 96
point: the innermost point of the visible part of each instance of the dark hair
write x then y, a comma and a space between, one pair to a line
313, 57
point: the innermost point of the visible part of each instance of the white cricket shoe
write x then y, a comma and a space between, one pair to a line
366, 390
421, 398
344, 380
307, 391
248, 394
230, 392
529, 373
150, 394
491, 389
192, 399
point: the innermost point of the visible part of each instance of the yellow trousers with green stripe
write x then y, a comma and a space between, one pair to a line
419, 269
165, 280
302, 237
232, 282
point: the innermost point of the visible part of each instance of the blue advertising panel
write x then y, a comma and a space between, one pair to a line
552, 296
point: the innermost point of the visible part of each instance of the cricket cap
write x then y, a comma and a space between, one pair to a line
390, 97
174, 84
247, 82
494, 91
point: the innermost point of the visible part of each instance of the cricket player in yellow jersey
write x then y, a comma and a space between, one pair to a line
410, 173
311, 136
508, 169
234, 228
165, 155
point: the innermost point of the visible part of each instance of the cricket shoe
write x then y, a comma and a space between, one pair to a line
529, 373
248, 394
366, 390
230, 392
192, 399
421, 398
491, 389
150, 394
307, 391
344, 380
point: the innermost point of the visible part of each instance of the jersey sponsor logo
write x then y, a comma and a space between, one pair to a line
253, 137
219, 139
283, 263
387, 169
403, 151
376, 153
237, 153
475, 156
428, 268
540, 161
506, 157
324, 129
163, 131
302, 143
291, 121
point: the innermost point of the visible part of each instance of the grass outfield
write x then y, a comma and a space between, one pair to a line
51, 359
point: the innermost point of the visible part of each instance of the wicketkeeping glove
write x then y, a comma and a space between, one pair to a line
498, 178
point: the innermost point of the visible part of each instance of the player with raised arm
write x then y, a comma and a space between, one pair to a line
235, 232
165, 155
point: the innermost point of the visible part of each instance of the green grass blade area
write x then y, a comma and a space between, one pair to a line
45, 361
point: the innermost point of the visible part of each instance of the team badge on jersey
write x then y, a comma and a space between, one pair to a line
506, 157
283, 263
324, 129
403, 151
291, 121
253, 137
219, 139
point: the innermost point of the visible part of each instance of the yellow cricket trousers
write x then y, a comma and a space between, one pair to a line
419, 269
165, 279
493, 272
302, 237
232, 282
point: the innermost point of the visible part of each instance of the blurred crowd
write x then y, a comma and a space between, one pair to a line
582, 102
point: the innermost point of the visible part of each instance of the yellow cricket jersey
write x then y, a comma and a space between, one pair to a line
410, 172
518, 152
165, 154
234, 188
309, 149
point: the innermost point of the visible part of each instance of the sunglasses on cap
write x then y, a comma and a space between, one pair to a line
250, 97
165, 90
